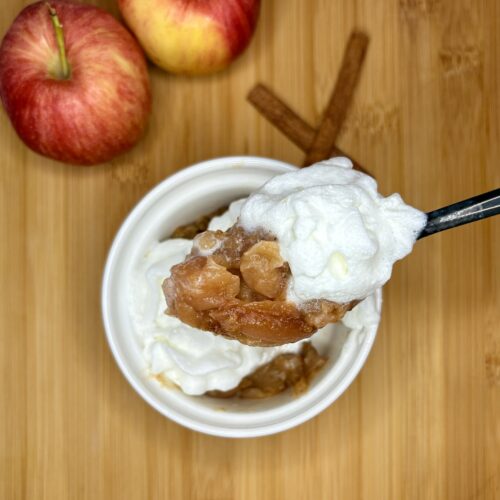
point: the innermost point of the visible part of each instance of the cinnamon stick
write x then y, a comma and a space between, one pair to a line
324, 141
287, 120
282, 116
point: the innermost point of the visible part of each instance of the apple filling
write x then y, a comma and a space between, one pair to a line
234, 284
289, 370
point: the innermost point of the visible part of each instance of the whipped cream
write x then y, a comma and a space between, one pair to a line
337, 233
198, 361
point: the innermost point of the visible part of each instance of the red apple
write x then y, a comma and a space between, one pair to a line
192, 36
74, 82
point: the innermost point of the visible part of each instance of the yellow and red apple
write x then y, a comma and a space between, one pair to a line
74, 82
192, 37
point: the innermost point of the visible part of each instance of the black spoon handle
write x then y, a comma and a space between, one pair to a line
475, 208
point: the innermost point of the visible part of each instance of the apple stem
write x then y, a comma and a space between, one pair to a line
58, 27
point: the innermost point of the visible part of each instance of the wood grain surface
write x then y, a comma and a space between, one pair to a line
422, 421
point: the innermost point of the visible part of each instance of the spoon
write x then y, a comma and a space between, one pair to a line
471, 210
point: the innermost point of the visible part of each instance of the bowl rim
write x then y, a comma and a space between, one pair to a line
147, 201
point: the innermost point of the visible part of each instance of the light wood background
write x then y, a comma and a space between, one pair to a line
423, 419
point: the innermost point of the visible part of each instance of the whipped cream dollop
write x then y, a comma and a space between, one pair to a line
337, 233
198, 361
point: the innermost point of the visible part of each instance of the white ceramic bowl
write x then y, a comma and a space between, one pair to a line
180, 199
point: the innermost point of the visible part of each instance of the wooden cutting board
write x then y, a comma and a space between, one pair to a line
423, 419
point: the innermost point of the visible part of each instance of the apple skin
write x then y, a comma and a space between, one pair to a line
192, 37
98, 113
